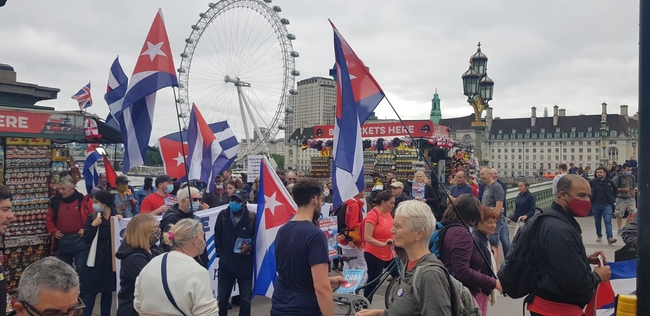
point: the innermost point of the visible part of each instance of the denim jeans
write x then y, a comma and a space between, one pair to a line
504, 235
603, 212
105, 306
225, 285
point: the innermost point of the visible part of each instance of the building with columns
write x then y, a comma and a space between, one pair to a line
530, 146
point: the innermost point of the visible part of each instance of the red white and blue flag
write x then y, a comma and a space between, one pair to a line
90, 172
172, 152
204, 150
357, 95
153, 71
118, 82
83, 97
275, 207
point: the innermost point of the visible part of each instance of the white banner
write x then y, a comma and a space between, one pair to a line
253, 168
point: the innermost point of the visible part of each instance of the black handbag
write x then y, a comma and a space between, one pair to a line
626, 252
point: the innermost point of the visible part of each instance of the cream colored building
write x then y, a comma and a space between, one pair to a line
313, 105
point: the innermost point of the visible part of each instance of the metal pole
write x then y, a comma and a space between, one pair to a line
643, 246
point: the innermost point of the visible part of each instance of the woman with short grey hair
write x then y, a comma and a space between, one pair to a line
413, 227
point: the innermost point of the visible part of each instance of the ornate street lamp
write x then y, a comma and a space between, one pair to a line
478, 88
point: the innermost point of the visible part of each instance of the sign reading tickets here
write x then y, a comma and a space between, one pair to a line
254, 164
209, 218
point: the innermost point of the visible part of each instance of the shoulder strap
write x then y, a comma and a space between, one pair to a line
163, 272
454, 298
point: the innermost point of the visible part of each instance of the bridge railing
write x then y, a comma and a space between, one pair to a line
543, 193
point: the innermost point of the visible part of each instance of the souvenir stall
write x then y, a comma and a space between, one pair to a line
33, 156
387, 147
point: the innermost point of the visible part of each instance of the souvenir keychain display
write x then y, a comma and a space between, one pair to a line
26, 174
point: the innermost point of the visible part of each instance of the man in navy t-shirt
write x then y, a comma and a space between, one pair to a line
461, 186
303, 286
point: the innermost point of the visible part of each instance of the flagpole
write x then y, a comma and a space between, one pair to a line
421, 152
180, 135
643, 250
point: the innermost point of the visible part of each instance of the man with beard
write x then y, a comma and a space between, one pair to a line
303, 285
234, 235
603, 197
144, 191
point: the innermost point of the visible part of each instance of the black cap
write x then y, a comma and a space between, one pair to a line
376, 175
148, 178
104, 197
239, 195
164, 178
122, 179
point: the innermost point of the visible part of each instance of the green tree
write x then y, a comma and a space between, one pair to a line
279, 159
153, 157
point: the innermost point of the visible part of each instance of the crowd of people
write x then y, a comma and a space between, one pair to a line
471, 224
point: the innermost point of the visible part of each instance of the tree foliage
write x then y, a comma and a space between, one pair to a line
153, 157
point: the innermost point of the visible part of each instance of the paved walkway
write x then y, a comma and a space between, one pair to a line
504, 306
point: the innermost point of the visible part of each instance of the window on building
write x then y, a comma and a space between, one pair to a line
580, 157
573, 157
514, 131
505, 136
534, 157
526, 166
612, 142
534, 135
527, 157
499, 157
542, 130
519, 166
557, 150
513, 157
519, 157
500, 131
589, 135
588, 143
565, 135
564, 149
580, 150
519, 150
499, 150
564, 157
557, 157
581, 134
573, 129
557, 129
580, 143
589, 130
548, 165
612, 154
499, 165
549, 135
588, 157
527, 149
549, 157
534, 165
573, 149
528, 131
588, 150
613, 134
467, 137
534, 149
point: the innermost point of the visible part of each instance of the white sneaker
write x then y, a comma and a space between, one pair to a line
599, 239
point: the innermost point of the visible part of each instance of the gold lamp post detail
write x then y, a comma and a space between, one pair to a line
478, 88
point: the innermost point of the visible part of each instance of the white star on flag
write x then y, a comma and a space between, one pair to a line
352, 77
153, 50
179, 159
271, 203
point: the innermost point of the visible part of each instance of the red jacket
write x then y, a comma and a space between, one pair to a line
58, 202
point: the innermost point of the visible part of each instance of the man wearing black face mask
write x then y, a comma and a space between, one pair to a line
234, 234
218, 196
566, 282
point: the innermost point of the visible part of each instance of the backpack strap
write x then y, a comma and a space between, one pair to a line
454, 298
163, 271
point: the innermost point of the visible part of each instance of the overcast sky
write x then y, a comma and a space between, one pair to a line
576, 54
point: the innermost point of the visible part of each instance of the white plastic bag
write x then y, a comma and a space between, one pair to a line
92, 253
520, 224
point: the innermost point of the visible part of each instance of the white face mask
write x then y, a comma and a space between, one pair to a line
326, 192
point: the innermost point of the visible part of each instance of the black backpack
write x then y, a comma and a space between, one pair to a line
340, 212
519, 274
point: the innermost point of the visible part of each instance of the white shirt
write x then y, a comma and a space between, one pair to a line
189, 284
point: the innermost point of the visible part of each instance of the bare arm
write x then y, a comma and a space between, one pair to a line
160, 210
323, 288
367, 234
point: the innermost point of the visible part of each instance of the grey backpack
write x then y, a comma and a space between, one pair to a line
462, 300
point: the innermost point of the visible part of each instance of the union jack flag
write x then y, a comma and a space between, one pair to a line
83, 97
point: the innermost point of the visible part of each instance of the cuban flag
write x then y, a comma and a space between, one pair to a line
357, 95
90, 173
115, 90
172, 151
623, 281
275, 207
204, 150
83, 97
153, 71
